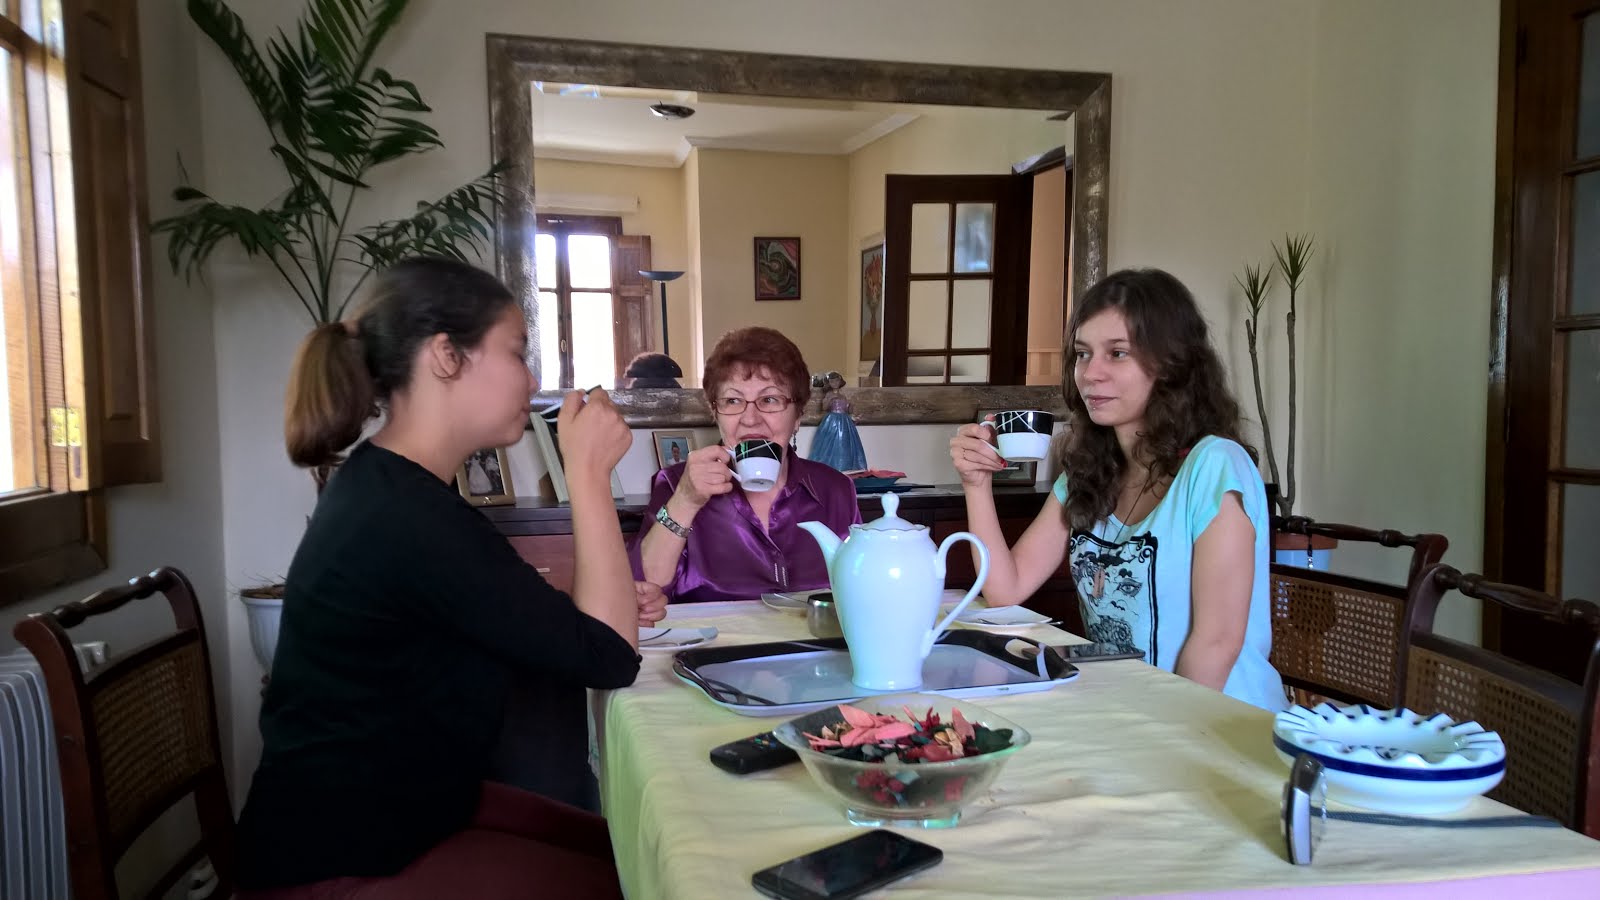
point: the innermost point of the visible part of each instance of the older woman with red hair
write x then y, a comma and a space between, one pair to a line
705, 536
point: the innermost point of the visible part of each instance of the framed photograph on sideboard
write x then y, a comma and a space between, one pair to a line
672, 447
485, 478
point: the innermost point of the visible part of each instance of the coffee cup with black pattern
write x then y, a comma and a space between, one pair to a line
756, 463
1023, 435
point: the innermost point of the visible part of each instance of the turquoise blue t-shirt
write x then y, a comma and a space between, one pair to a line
1133, 580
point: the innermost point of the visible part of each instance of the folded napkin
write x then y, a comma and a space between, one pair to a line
876, 473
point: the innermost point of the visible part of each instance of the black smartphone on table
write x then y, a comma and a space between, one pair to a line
1080, 653
847, 869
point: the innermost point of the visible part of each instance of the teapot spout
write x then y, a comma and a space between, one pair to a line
826, 539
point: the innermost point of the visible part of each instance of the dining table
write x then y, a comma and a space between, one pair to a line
1137, 782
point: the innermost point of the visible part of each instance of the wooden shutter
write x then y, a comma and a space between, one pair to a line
113, 380
632, 318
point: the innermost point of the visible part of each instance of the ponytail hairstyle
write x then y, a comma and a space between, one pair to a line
345, 371
1189, 400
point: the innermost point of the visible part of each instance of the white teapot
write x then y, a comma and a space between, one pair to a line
887, 579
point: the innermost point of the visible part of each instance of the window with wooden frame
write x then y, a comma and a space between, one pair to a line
75, 304
592, 297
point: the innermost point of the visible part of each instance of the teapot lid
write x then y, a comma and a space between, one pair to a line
891, 520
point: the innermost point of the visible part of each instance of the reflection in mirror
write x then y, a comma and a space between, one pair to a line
969, 369
973, 287
925, 370
928, 315
969, 313
930, 238
974, 242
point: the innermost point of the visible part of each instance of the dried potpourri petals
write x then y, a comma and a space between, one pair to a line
962, 727
877, 737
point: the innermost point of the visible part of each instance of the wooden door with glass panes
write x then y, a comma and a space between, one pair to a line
956, 278
1544, 443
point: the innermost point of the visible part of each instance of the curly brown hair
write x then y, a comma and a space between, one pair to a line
1189, 400
745, 351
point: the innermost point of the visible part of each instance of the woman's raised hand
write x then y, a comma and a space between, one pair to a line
973, 453
592, 433
706, 475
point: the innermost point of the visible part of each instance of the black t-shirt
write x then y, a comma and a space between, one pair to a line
406, 616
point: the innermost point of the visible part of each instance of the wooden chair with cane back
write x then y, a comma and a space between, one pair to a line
134, 737
1551, 726
1338, 637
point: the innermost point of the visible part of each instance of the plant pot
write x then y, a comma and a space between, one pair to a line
263, 610
1313, 551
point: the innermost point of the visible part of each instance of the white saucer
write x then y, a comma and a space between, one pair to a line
791, 601
799, 601
1002, 619
674, 637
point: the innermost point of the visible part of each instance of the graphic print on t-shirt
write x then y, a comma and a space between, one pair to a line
1116, 589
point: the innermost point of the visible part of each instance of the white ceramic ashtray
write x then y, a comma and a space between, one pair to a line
1396, 761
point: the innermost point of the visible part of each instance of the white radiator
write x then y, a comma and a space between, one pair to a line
33, 830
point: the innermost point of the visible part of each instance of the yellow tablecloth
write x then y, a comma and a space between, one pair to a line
1137, 782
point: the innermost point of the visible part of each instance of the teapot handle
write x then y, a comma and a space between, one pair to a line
977, 585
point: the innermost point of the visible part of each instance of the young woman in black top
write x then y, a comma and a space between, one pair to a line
407, 614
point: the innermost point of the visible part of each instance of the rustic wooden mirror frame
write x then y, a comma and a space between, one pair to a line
515, 62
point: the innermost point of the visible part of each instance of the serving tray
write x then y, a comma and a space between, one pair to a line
786, 678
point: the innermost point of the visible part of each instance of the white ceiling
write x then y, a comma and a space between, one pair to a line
614, 125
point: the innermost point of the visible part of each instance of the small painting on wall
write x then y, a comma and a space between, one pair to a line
777, 268
872, 302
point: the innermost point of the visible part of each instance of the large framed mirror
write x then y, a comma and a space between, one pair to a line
920, 229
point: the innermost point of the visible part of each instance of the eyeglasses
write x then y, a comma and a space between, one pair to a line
770, 403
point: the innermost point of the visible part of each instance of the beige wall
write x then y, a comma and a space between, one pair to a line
1395, 330
744, 195
958, 142
1233, 121
660, 214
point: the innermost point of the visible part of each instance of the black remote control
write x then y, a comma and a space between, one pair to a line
756, 753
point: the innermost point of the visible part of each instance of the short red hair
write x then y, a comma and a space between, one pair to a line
746, 351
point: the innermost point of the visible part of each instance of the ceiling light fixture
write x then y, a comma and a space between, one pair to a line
671, 111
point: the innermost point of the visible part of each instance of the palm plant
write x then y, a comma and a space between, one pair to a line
1293, 260
333, 118
1294, 257
1256, 282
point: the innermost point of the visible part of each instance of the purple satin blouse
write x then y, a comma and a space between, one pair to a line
730, 557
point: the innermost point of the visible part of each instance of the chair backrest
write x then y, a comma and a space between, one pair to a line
1339, 637
1426, 548
134, 737
1549, 724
